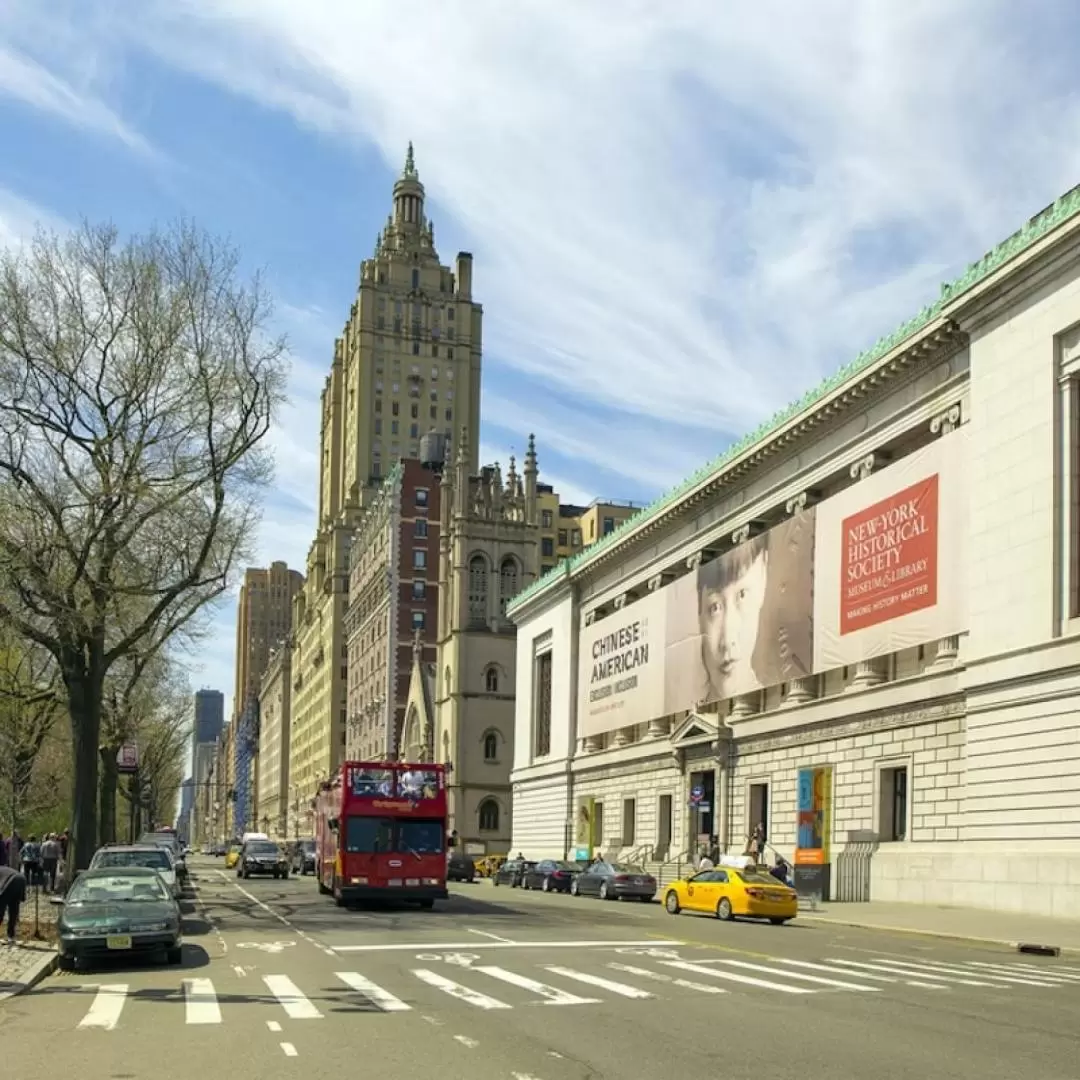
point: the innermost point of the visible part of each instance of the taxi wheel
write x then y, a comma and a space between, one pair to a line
778, 922
723, 910
671, 903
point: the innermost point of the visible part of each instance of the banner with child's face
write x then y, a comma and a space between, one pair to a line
754, 617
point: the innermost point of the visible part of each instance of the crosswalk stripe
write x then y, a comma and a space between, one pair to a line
1057, 974
106, 1008
864, 974
941, 968
596, 980
201, 1002
892, 969
820, 980
382, 999
456, 990
551, 994
731, 976
659, 976
290, 997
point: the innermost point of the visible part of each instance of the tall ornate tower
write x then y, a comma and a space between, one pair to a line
407, 362
489, 551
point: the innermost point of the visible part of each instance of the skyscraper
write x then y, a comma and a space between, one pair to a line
407, 362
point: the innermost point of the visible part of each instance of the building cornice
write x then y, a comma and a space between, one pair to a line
930, 330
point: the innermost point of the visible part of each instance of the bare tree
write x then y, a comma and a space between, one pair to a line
30, 706
137, 383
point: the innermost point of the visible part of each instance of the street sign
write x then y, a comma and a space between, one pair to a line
127, 758
697, 793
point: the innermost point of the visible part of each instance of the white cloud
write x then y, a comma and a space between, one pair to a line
20, 219
669, 202
25, 79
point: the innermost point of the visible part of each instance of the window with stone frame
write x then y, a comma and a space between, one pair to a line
542, 704
478, 589
508, 582
489, 815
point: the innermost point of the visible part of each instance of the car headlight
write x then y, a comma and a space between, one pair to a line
149, 927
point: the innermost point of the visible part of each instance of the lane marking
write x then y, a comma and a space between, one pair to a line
596, 980
105, 1010
819, 979
201, 1002
457, 945
239, 970
1049, 974
289, 1049
659, 976
291, 998
862, 974
551, 994
731, 976
494, 937
456, 990
934, 968
273, 1025
892, 969
380, 998
472, 1044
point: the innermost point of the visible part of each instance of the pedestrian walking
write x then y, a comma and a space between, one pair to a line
50, 860
12, 894
31, 861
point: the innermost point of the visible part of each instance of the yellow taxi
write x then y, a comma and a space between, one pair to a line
232, 856
730, 892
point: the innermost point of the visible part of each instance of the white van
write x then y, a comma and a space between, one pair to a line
253, 836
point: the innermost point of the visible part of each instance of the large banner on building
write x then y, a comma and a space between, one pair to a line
877, 568
889, 565
739, 623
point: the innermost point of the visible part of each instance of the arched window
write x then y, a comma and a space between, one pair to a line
478, 588
508, 582
489, 816
491, 746
491, 680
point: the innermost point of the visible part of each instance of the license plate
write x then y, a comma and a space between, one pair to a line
118, 941
639, 881
394, 881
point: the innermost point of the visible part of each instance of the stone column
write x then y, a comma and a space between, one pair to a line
621, 601
593, 743
863, 467
801, 690
948, 647
659, 728
624, 736
869, 673
746, 705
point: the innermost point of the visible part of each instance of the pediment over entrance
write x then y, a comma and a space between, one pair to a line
694, 728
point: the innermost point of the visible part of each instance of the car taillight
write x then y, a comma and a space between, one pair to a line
755, 894
622, 877
650, 881
559, 873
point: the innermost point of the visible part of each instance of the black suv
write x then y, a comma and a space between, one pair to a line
460, 867
302, 857
262, 857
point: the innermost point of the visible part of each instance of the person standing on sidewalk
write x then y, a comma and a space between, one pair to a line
12, 894
50, 860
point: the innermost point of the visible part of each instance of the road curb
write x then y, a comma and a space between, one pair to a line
827, 920
43, 968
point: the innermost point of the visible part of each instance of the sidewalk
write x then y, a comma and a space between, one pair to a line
968, 924
30, 961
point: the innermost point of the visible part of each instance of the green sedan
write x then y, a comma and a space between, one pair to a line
115, 912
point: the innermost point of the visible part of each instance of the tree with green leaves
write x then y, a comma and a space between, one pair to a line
138, 382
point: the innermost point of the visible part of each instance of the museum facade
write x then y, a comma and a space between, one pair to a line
857, 632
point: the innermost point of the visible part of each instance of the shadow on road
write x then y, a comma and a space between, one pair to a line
194, 957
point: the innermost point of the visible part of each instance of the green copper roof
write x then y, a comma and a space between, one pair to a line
1064, 208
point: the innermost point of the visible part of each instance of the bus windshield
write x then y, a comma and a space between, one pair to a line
377, 836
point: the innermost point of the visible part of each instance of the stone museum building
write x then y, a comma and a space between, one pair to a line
856, 632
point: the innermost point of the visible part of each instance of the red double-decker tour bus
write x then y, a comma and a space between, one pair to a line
380, 833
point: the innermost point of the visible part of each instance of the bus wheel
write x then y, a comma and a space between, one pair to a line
338, 898
323, 890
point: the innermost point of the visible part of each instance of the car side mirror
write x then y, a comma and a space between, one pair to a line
59, 901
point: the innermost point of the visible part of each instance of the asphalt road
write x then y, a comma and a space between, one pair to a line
501, 984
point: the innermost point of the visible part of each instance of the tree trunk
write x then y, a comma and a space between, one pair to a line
110, 776
84, 690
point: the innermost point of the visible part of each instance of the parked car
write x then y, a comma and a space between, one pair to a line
168, 840
460, 867
302, 857
511, 872
551, 875
117, 912
614, 881
118, 856
262, 857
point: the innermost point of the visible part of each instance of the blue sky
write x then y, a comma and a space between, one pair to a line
682, 215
